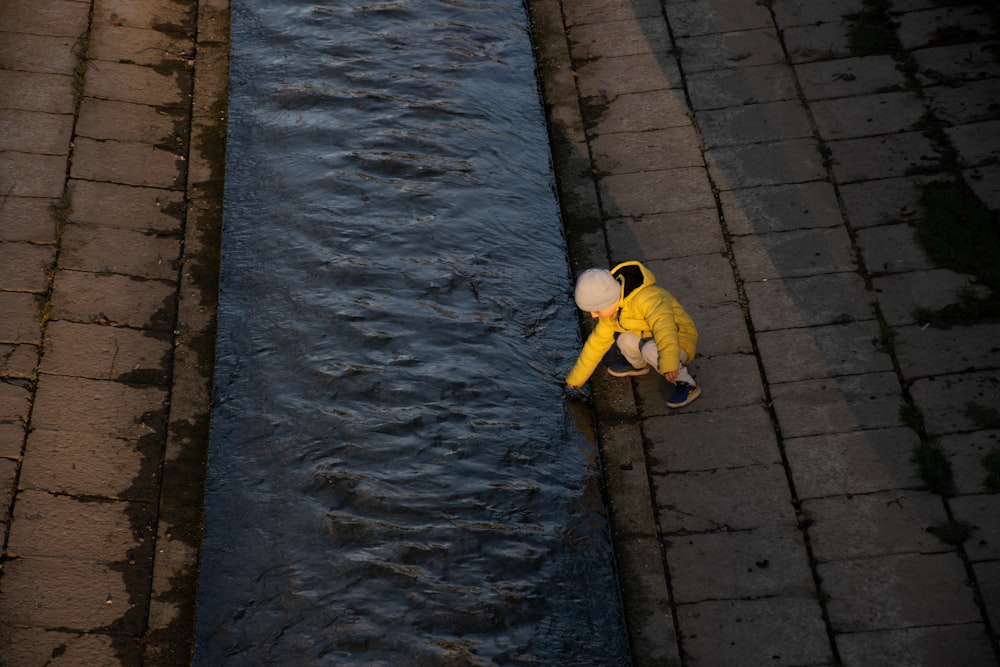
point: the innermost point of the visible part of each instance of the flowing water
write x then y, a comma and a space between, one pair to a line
395, 476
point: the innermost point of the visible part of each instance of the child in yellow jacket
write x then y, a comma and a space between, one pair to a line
653, 329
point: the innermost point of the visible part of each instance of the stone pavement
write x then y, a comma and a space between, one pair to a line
771, 177
112, 143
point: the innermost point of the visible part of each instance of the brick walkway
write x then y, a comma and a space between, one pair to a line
111, 154
770, 179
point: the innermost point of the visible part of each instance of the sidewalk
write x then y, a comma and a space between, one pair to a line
771, 179
112, 142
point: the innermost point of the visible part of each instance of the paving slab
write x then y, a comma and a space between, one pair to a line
32, 174
791, 161
21, 322
744, 48
923, 350
702, 17
619, 38
85, 464
981, 511
771, 631
647, 193
70, 594
103, 352
8, 484
804, 12
95, 407
114, 42
877, 524
803, 252
11, 439
727, 381
100, 249
36, 646
700, 441
868, 115
718, 89
965, 645
780, 208
849, 77
793, 302
666, 235
35, 132
754, 123
892, 249
837, 405
884, 156
136, 83
988, 576
127, 163
32, 91
977, 144
948, 65
127, 206
734, 565
968, 103
602, 11
822, 41
641, 112
68, 18
18, 361
39, 53
820, 352
611, 77
725, 499
632, 152
721, 329
985, 182
697, 280
124, 121
110, 298
27, 219
917, 29
15, 401
945, 400
901, 295
965, 452
150, 14
895, 592
884, 201
24, 267
82, 529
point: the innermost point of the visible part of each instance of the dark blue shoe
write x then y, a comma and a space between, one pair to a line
622, 368
683, 394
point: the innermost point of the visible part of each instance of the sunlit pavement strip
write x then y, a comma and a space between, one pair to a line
765, 176
111, 145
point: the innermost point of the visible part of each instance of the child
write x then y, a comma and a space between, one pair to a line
653, 329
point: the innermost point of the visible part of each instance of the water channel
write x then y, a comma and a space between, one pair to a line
395, 475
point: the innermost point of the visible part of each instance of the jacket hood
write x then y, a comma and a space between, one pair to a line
633, 276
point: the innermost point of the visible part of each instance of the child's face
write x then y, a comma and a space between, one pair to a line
607, 312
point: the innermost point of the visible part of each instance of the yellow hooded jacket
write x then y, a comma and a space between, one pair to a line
645, 309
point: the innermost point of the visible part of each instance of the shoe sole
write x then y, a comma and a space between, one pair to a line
693, 395
624, 374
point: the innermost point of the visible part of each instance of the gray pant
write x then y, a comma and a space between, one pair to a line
641, 352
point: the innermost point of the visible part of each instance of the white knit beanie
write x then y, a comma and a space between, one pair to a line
596, 289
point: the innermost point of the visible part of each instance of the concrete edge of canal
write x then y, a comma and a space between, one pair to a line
638, 557
173, 594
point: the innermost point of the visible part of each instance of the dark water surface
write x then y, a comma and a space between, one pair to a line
395, 476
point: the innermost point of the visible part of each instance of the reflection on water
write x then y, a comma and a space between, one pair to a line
395, 477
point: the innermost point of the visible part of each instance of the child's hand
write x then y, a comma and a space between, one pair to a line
671, 376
